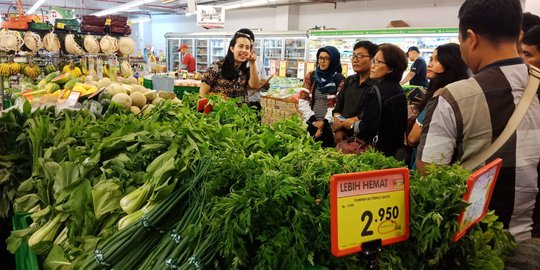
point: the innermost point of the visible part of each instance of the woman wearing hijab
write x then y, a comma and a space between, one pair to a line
318, 95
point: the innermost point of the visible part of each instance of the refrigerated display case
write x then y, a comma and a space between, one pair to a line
278, 46
272, 50
295, 50
426, 39
217, 49
200, 48
201, 54
173, 58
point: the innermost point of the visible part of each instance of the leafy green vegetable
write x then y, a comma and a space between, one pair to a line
106, 196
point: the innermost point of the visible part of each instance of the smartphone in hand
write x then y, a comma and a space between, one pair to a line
341, 117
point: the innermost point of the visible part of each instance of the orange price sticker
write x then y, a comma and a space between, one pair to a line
479, 189
368, 206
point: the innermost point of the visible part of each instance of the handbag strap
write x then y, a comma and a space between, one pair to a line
518, 114
379, 99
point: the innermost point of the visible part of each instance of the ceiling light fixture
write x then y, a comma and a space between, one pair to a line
245, 4
123, 7
35, 6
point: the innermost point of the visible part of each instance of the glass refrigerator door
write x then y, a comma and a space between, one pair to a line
295, 50
172, 55
344, 45
272, 50
217, 49
201, 54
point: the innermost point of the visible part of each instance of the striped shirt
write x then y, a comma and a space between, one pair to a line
465, 117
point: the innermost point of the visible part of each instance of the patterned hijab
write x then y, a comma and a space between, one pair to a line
326, 79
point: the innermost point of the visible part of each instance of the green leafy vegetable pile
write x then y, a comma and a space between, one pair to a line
177, 189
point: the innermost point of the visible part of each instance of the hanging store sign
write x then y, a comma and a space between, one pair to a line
210, 16
368, 206
479, 189
60, 13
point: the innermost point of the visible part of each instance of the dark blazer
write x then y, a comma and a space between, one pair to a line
391, 130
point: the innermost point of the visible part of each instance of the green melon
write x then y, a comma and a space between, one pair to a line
52, 87
51, 76
61, 79
70, 84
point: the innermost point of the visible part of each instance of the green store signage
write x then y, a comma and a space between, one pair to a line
389, 31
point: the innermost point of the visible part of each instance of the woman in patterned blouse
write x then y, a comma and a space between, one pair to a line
231, 76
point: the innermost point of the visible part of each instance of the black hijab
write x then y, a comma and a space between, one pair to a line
326, 79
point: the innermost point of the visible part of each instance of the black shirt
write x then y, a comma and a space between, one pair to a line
350, 100
419, 68
393, 121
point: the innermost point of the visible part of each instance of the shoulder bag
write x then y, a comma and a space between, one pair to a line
355, 145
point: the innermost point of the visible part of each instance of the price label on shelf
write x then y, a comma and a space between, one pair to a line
479, 189
368, 206
107, 21
282, 68
310, 66
60, 25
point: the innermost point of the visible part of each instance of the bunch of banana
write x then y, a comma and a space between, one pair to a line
152, 58
106, 72
22, 66
32, 71
125, 69
50, 68
9, 69
5, 70
84, 66
74, 72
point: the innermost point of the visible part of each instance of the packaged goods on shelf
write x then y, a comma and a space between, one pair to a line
281, 100
283, 87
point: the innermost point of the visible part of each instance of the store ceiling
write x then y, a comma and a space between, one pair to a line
161, 7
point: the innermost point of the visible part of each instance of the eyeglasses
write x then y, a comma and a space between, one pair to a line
321, 58
377, 62
358, 56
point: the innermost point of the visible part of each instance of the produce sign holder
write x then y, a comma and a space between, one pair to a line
275, 109
367, 207
479, 190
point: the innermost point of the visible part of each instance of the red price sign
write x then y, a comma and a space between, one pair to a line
479, 189
368, 206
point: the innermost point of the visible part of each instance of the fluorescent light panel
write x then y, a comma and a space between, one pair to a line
35, 6
140, 20
123, 7
247, 3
